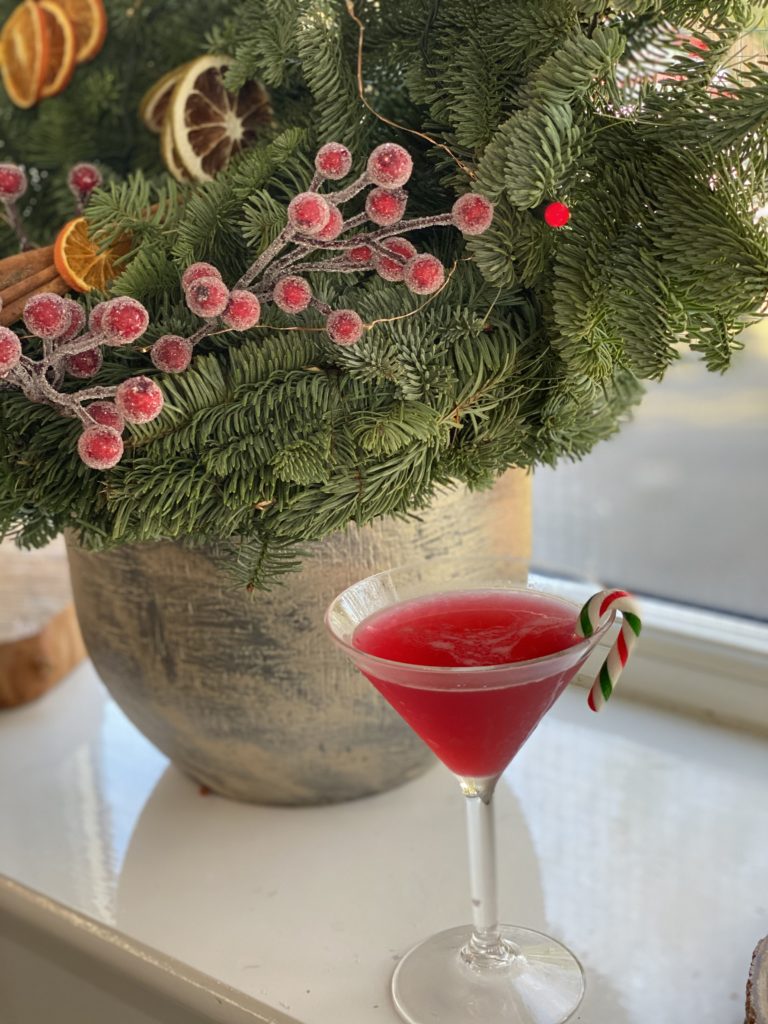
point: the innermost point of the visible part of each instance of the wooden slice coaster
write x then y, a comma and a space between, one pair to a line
757, 986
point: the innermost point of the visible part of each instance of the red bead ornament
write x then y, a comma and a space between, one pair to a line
243, 310
139, 399
333, 161
334, 226
198, 270
385, 207
362, 254
13, 183
207, 297
83, 179
308, 213
556, 215
472, 214
344, 326
424, 274
106, 414
46, 315
84, 364
122, 321
393, 270
389, 165
171, 353
292, 294
100, 447
10, 350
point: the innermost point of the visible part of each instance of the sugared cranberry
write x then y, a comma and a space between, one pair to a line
171, 353
333, 161
344, 326
384, 206
392, 269
472, 214
292, 294
308, 213
107, 415
13, 183
424, 274
389, 165
10, 350
100, 447
84, 364
243, 310
46, 315
139, 399
122, 321
196, 270
207, 297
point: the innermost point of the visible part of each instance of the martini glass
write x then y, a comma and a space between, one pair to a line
472, 654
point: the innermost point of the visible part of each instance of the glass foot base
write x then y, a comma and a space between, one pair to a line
432, 984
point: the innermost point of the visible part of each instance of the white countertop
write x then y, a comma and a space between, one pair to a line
637, 837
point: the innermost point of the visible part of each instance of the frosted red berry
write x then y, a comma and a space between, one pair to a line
76, 315
389, 165
308, 213
100, 447
10, 350
472, 214
384, 206
344, 326
123, 320
424, 274
392, 269
197, 270
13, 183
46, 315
84, 364
334, 226
362, 254
139, 399
83, 179
107, 415
171, 353
292, 294
243, 310
333, 161
207, 297
556, 215
94, 317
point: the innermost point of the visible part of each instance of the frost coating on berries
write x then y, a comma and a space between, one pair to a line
83, 179
46, 315
333, 161
94, 317
84, 364
385, 207
292, 294
197, 270
308, 213
424, 274
100, 447
472, 214
76, 315
392, 269
13, 182
106, 414
207, 297
10, 350
139, 399
123, 320
243, 310
556, 215
389, 165
344, 326
171, 353
334, 226
362, 254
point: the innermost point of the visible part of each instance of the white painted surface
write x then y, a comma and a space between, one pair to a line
637, 837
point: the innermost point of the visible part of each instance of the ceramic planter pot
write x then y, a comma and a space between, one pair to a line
246, 693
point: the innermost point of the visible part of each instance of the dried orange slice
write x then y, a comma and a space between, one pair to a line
80, 261
154, 103
89, 20
61, 49
24, 46
170, 154
211, 124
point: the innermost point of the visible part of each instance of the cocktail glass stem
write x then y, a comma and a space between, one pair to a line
486, 948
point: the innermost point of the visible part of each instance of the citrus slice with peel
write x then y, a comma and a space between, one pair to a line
211, 124
80, 261
154, 103
169, 154
89, 20
24, 48
61, 49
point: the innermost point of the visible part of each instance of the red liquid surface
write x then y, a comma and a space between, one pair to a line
474, 729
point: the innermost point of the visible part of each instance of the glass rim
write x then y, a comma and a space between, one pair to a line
356, 653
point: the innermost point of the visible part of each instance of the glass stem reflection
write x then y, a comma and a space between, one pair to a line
485, 948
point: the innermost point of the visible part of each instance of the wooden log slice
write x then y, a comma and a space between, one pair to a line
757, 986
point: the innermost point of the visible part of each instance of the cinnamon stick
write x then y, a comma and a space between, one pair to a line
27, 285
11, 313
24, 264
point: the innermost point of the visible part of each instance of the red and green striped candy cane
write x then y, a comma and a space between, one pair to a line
591, 617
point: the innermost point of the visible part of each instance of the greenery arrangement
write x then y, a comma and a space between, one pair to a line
642, 116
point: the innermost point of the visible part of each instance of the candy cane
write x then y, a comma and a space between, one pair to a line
591, 616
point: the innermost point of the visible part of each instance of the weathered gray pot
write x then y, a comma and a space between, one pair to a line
247, 694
